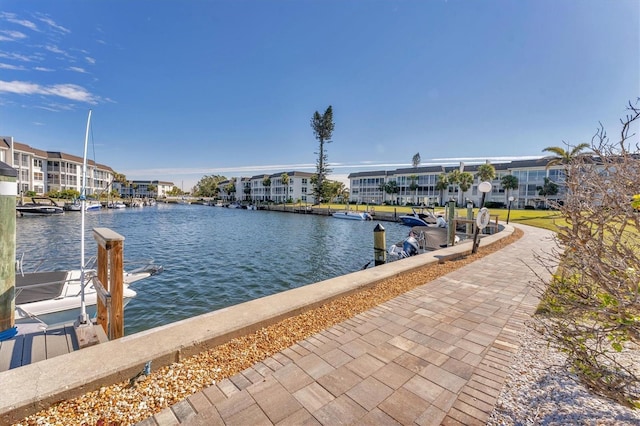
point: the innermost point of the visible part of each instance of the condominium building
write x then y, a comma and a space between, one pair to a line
418, 185
270, 188
46, 171
143, 188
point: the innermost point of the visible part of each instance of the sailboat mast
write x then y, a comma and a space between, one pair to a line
83, 200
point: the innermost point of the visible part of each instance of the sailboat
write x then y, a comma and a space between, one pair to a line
53, 297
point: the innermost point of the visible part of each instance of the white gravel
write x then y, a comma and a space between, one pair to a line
540, 390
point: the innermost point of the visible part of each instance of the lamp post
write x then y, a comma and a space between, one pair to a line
509, 209
483, 187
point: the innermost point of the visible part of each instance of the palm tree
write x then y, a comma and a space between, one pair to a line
285, 181
465, 180
383, 188
549, 188
509, 182
266, 182
151, 189
441, 184
454, 178
392, 187
563, 156
486, 172
414, 186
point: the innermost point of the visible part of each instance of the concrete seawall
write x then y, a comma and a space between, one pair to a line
31, 388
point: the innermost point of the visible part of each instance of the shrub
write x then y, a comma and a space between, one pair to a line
592, 302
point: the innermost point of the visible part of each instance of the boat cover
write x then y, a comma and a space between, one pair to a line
28, 290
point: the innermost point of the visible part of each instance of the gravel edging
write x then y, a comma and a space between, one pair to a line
540, 390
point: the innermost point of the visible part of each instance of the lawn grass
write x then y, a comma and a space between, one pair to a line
547, 219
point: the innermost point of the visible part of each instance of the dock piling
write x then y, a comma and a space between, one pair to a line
111, 275
8, 193
379, 245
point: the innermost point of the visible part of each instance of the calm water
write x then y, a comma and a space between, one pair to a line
213, 257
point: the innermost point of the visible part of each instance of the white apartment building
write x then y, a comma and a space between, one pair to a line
253, 189
45, 171
367, 187
143, 188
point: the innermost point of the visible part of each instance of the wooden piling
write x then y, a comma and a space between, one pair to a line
379, 245
8, 192
111, 275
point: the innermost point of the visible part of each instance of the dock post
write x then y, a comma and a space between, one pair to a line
379, 245
8, 193
110, 258
451, 228
469, 226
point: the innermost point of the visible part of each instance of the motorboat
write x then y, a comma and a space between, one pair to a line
421, 239
54, 297
76, 206
349, 214
39, 206
419, 219
117, 205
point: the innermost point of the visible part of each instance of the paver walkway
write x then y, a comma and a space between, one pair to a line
437, 354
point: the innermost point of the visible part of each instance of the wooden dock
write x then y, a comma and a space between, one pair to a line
33, 344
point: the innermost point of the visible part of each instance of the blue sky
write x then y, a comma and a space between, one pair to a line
183, 89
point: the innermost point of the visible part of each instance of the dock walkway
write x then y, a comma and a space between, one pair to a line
438, 354
33, 344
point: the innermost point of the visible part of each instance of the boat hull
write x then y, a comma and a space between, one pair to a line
413, 221
39, 211
352, 215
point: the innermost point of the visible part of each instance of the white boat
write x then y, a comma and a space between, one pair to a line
54, 297
184, 200
117, 205
39, 206
419, 219
76, 206
137, 202
349, 214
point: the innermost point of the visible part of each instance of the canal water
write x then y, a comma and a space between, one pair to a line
212, 257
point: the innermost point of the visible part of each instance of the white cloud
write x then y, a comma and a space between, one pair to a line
12, 17
56, 49
90, 60
11, 35
67, 91
11, 67
53, 25
77, 69
15, 57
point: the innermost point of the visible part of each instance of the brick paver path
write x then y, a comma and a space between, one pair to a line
438, 354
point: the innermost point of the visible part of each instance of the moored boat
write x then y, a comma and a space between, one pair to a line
53, 297
76, 206
117, 205
39, 206
348, 214
419, 219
